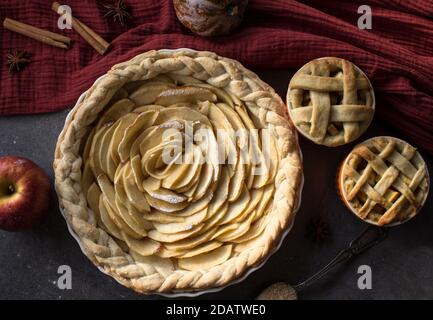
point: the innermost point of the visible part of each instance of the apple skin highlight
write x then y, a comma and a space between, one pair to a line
24, 194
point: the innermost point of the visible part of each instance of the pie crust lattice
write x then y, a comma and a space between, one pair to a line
330, 101
384, 180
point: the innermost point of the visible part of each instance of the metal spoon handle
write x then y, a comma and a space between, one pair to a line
369, 237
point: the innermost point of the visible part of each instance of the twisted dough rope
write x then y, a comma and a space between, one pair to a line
259, 98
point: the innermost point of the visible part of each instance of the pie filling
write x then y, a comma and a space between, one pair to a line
167, 184
385, 180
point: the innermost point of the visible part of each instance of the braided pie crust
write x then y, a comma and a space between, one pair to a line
158, 228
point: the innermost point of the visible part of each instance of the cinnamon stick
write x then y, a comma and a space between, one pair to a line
95, 40
48, 37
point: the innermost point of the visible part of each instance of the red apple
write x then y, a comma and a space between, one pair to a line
24, 193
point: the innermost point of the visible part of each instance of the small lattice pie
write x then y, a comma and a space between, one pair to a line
330, 101
153, 220
384, 181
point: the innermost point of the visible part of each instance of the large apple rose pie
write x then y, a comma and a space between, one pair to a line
178, 171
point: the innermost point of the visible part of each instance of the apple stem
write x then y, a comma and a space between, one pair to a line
11, 189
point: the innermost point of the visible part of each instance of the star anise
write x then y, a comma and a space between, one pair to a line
318, 229
118, 10
16, 60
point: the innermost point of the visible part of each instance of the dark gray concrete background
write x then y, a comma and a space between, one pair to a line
402, 265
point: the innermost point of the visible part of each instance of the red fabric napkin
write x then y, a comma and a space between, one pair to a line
397, 54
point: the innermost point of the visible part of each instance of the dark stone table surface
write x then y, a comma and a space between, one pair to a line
402, 265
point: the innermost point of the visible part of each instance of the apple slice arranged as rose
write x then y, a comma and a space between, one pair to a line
24, 194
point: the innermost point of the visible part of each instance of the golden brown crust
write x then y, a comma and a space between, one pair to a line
330, 101
100, 247
384, 180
